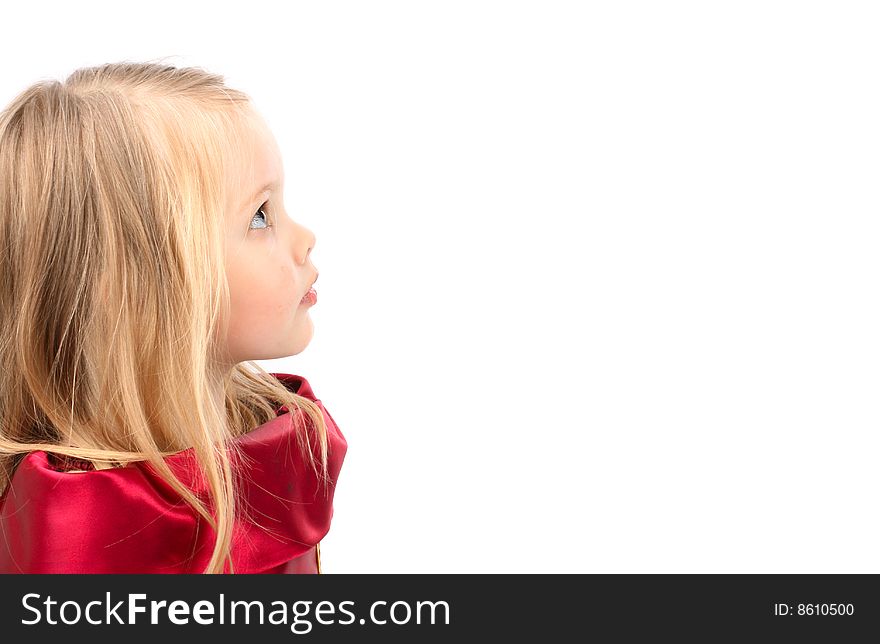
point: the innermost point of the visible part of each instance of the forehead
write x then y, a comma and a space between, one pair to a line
258, 160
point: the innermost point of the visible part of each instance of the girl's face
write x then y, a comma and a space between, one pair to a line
267, 265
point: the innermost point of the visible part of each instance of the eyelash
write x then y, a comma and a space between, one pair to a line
265, 214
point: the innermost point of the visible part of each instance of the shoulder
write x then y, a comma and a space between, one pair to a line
96, 521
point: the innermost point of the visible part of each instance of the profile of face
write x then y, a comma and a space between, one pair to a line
268, 263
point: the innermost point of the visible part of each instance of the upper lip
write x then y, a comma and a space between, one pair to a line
315, 280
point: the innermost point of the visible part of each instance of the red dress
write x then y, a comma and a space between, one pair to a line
128, 520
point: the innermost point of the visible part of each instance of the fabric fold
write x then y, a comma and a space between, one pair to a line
128, 520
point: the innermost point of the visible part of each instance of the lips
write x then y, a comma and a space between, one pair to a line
311, 296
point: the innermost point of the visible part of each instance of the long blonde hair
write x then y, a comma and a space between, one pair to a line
113, 293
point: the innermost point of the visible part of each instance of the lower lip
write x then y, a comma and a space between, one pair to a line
310, 298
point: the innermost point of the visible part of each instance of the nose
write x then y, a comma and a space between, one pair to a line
304, 242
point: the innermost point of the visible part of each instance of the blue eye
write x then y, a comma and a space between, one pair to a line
261, 210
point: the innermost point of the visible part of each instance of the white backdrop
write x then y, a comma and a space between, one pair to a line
599, 281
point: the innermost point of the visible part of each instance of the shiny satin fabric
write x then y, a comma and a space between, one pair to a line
128, 520
306, 564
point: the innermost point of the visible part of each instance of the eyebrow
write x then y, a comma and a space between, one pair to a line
269, 186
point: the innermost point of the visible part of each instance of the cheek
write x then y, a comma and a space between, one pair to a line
259, 294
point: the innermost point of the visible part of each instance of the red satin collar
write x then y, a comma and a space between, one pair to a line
127, 520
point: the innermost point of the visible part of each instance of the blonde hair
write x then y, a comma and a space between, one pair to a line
113, 293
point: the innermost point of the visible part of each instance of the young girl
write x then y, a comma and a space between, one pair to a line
146, 259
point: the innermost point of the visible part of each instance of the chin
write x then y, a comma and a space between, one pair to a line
301, 344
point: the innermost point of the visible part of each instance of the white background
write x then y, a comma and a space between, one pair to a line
599, 281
